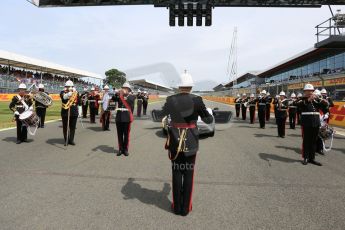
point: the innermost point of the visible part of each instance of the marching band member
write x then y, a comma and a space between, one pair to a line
124, 117
20, 103
93, 104
275, 103
97, 100
69, 112
139, 103
183, 141
309, 106
292, 111
84, 102
252, 103
269, 100
40, 108
298, 112
105, 118
330, 102
282, 106
238, 105
262, 108
243, 107
145, 102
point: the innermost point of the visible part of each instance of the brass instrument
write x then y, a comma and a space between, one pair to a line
71, 100
43, 98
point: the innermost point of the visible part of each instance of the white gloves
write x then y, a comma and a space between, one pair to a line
31, 108
209, 111
67, 95
16, 113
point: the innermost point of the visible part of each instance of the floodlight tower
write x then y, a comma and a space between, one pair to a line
232, 62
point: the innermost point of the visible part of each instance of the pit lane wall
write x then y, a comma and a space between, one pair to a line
55, 97
337, 112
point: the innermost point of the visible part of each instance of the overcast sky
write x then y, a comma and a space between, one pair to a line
125, 37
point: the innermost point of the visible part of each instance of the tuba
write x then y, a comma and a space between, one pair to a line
43, 98
71, 100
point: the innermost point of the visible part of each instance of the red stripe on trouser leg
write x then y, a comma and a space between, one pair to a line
191, 194
128, 135
302, 141
172, 190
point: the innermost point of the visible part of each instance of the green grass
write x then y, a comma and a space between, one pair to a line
53, 113
6, 115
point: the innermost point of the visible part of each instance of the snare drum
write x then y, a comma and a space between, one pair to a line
29, 118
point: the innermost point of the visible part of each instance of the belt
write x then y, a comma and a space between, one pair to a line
92, 100
237, 103
282, 109
251, 105
292, 106
310, 113
140, 99
20, 106
183, 125
122, 109
262, 103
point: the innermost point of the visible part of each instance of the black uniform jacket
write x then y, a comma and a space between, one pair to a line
261, 103
124, 108
17, 105
184, 109
282, 107
310, 115
73, 108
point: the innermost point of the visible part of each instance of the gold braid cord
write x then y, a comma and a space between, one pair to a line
71, 100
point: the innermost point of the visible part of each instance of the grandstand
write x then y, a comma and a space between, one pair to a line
15, 68
150, 86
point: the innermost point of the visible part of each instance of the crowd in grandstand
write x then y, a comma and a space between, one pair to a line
10, 77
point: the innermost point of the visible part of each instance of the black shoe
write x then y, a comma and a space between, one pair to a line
42, 126
25, 140
321, 152
18, 142
184, 213
119, 153
305, 161
125, 152
315, 163
71, 143
282, 136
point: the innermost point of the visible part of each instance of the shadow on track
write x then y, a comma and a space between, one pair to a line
105, 149
133, 190
268, 157
296, 150
10, 139
263, 135
56, 142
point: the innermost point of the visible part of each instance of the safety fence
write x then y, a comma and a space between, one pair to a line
55, 97
337, 112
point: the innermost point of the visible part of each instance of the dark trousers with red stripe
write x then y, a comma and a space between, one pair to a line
261, 115
93, 114
252, 114
281, 126
22, 131
139, 107
105, 120
123, 132
244, 112
292, 119
268, 112
238, 109
309, 135
182, 180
